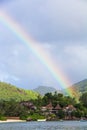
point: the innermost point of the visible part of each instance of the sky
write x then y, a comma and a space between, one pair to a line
60, 27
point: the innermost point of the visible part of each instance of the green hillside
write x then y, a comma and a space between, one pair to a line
8, 91
81, 86
77, 88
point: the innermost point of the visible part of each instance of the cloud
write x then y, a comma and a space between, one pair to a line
75, 61
60, 27
6, 77
19, 64
77, 58
52, 21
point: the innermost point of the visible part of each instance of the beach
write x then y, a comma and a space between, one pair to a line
12, 120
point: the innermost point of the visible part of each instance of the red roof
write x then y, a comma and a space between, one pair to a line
49, 106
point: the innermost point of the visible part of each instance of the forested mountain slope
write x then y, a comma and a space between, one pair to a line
8, 91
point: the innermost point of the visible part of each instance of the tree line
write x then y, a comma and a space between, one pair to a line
32, 109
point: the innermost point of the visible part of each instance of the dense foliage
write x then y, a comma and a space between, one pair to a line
13, 108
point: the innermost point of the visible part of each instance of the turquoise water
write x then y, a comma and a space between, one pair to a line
65, 125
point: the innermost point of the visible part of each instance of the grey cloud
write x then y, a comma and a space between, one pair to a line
52, 21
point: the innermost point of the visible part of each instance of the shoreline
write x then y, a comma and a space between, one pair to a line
15, 121
11, 120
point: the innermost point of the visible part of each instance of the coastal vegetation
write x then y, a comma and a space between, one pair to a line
29, 105
50, 107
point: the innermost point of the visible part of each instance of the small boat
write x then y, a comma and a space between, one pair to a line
61, 120
41, 120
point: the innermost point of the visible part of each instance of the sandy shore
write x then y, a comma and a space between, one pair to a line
12, 120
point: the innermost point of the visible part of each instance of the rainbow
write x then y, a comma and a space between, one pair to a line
37, 49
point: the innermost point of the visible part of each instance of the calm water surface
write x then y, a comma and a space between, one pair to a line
65, 125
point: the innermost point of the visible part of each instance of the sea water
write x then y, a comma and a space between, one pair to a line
56, 125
